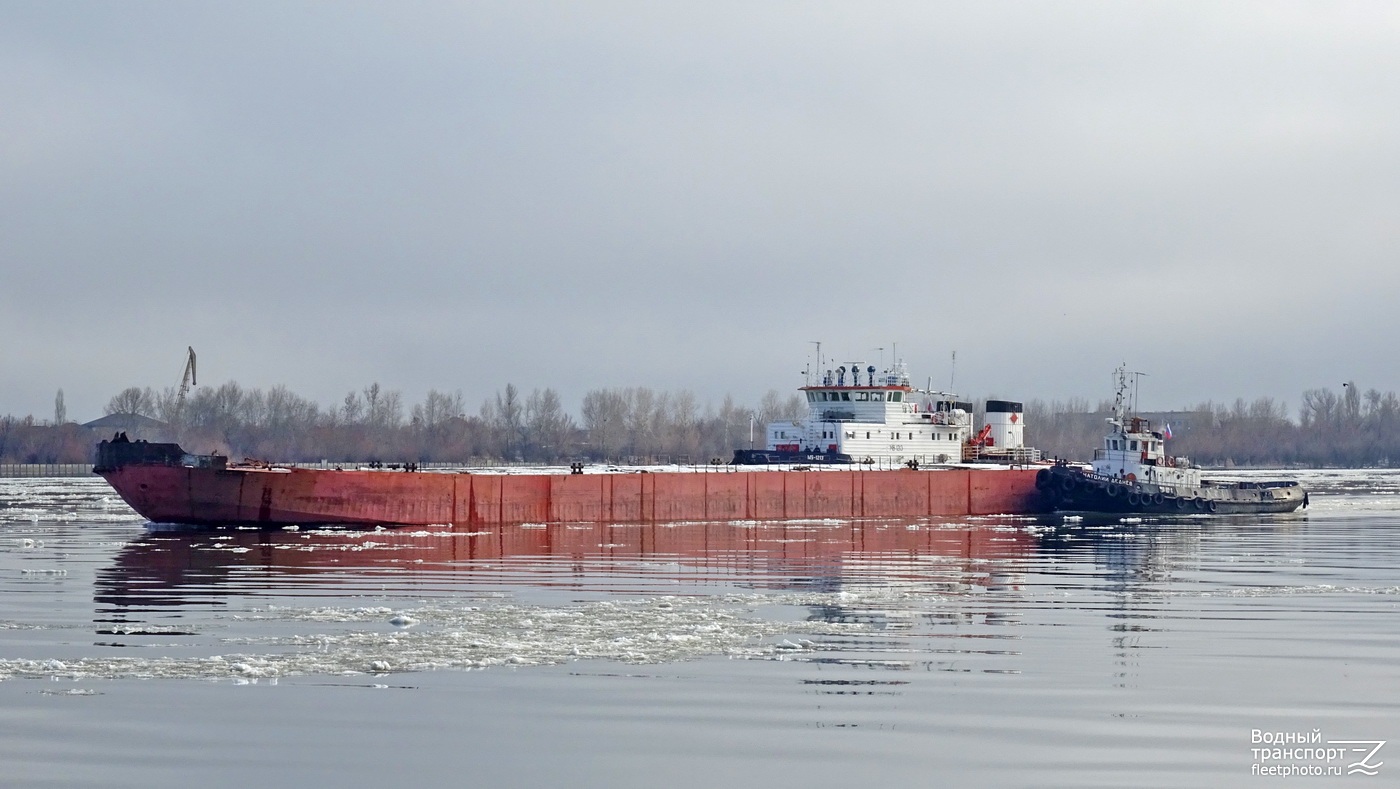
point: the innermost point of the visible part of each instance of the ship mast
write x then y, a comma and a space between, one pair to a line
1120, 398
1125, 397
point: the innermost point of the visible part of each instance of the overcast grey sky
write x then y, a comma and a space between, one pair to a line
682, 196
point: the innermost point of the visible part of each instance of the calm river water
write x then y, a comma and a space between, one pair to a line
968, 652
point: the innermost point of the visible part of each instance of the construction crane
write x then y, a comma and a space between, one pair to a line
186, 381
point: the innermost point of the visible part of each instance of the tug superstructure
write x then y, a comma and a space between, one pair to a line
1133, 472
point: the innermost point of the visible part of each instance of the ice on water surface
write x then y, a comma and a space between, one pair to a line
647, 630
989, 651
97, 594
166, 602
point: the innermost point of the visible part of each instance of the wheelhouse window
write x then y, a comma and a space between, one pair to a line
896, 397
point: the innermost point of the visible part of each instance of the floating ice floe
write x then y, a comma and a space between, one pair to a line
651, 630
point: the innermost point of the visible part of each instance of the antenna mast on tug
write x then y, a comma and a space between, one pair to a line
1120, 391
1136, 377
1125, 397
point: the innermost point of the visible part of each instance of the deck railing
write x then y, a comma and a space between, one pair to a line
45, 469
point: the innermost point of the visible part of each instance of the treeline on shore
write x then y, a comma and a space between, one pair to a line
642, 425
629, 424
1347, 429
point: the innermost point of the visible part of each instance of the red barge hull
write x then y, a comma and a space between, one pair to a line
176, 493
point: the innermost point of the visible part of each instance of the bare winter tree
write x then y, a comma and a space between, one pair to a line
391, 409
436, 409
685, 434
505, 418
549, 430
1320, 407
132, 400
352, 410
169, 409
775, 408
1351, 403
605, 413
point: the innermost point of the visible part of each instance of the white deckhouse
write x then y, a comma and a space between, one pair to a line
858, 415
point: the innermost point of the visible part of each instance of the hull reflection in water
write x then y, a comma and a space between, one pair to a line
174, 567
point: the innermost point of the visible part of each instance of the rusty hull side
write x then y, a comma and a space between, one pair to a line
301, 496
176, 494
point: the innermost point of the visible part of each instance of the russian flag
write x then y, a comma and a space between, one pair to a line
1167, 431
